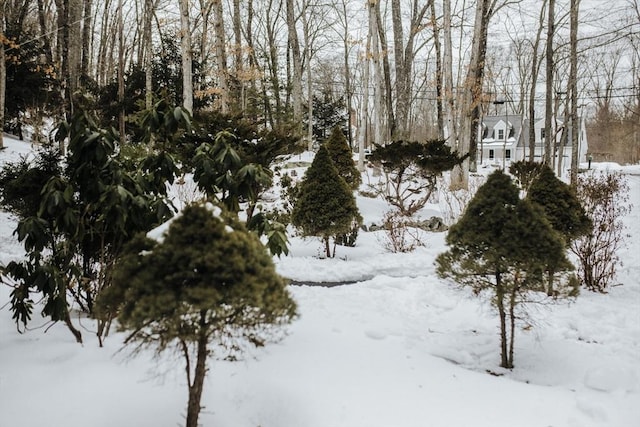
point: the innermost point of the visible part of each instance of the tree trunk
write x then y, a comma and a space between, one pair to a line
573, 91
472, 98
386, 68
500, 294
3, 76
401, 78
75, 46
364, 114
548, 134
347, 75
237, 50
512, 324
221, 56
296, 82
451, 116
535, 66
187, 56
44, 32
377, 75
307, 48
87, 31
439, 73
196, 384
149, 10
121, 115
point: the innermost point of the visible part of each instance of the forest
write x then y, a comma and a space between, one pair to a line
386, 70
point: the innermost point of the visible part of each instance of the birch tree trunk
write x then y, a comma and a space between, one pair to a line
548, 111
573, 90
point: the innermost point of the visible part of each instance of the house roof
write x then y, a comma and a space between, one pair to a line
515, 127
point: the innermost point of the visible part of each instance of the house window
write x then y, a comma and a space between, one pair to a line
507, 154
541, 134
500, 134
491, 155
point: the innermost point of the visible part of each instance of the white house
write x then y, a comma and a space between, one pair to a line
505, 139
498, 139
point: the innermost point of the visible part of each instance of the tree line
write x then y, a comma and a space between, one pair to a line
402, 69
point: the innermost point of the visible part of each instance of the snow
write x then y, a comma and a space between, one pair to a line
397, 348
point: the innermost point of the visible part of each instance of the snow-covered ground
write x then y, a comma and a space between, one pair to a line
400, 348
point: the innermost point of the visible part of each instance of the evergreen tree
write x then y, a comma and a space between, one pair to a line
525, 172
205, 280
561, 207
342, 158
325, 206
501, 246
412, 169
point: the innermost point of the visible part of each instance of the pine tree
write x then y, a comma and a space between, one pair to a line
501, 246
205, 280
325, 206
561, 207
340, 154
560, 204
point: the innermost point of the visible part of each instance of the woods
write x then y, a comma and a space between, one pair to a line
401, 68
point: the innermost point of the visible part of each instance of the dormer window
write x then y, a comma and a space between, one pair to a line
500, 134
542, 134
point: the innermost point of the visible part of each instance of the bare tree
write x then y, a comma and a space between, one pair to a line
573, 90
472, 91
187, 56
404, 56
221, 55
3, 74
548, 111
296, 81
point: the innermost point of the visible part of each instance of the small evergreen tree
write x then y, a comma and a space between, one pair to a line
501, 246
342, 158
325, 206
561, 207
411, 171
525, 172
204, 281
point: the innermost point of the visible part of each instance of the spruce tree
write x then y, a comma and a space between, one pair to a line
561, 207
325, 206
500, 247
560, 204
205, 280
340, 154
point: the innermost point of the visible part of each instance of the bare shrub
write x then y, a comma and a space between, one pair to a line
605, 198
399, 234
454, 202
186, 190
